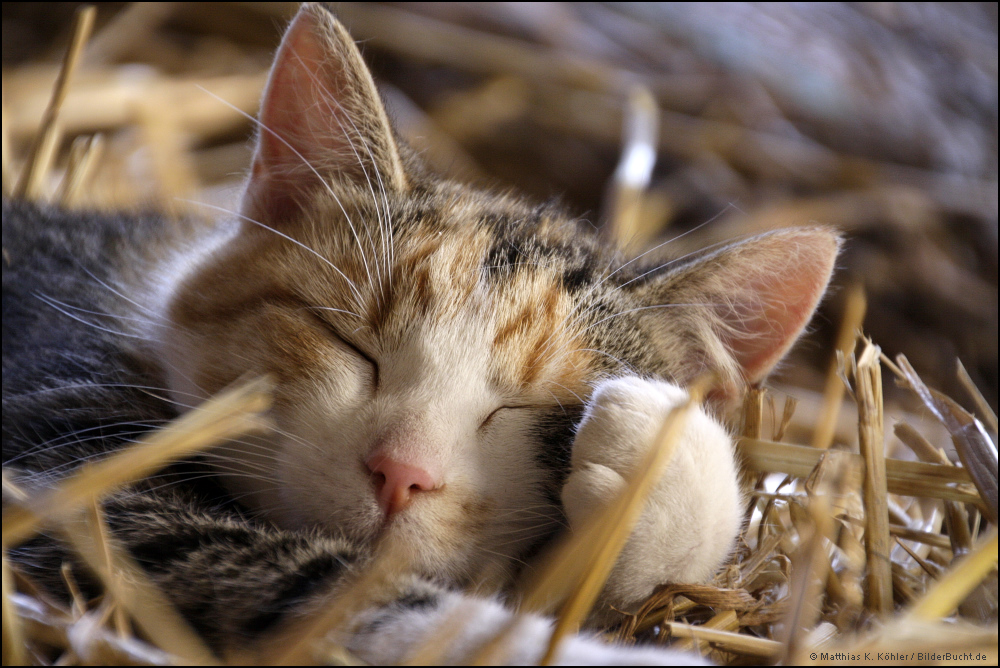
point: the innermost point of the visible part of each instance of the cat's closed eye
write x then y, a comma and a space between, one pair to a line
489, 418
334, 333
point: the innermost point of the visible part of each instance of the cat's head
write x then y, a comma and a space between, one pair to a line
433, 345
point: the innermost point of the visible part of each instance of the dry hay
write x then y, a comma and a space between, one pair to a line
871, 516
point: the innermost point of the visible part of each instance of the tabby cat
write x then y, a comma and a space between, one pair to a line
457, 372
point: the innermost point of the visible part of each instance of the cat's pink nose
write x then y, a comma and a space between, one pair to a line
396, 482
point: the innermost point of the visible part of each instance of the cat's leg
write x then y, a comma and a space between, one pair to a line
692, 517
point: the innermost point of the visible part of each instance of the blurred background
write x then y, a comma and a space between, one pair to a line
879, 119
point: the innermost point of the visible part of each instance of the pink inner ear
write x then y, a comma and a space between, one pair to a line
316, 118
288, 118
292, 100
782, 293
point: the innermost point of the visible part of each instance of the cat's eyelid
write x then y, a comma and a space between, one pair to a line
499, 408
330, 327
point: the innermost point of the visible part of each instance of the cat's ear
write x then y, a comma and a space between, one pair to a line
739, 309
321, 120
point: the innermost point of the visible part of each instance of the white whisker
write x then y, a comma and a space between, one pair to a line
48, 301
298, 243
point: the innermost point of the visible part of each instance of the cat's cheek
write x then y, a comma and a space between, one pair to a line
247, 468
332, 497
203, 358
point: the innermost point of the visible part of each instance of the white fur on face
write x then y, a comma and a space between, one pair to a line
432, 398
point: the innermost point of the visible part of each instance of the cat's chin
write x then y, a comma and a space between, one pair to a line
417, 542
443, 556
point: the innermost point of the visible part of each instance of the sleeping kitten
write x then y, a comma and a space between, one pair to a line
458, 373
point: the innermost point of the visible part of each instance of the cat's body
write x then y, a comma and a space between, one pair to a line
457, 374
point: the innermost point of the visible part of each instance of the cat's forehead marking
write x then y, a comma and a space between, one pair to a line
539, 330
534, 338
516, 276
434, 275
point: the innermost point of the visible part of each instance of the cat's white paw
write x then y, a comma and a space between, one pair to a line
693, 515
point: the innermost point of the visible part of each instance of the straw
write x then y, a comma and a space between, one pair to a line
634, 171
878, 583
131, 590
88, 640
965, 574
84, 155
6, 168
977, 396
727, 640
902, 476
725, 621
810, 564
46, 142
13, 638
974, 446
833, 394
296, 644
